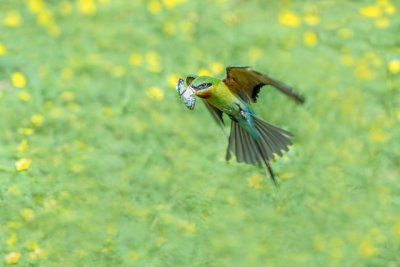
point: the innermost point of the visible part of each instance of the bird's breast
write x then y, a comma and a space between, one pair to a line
223, 99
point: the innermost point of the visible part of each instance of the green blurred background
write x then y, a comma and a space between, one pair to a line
102, 165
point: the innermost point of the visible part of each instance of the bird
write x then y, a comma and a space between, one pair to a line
252, 140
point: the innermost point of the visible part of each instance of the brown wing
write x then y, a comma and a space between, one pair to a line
216, 114
246, 83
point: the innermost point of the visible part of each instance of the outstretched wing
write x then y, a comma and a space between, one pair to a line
246, 83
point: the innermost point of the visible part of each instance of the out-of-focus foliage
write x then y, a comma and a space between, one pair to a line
101, 165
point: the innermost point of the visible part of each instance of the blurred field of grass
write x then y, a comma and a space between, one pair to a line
101, 165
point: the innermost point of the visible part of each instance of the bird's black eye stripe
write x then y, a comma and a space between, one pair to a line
202, 86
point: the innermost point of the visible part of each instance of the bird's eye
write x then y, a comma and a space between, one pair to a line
204, 86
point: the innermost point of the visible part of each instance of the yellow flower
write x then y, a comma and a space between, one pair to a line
3, 50
35, 6
104, 2
155, 93
310, 39
22, 164
154, 7
363, 72
344, 34
172, 79
153, 62
347, 60
65, 8
18, 80
67, 74
50, 204
376, 135
172, 3
187, 29
80, 253
394, 66
289, 19
169, 28
254, 182
118, 71
13, 225
68, 96
382, 23
370, 11
285, 158
14, 190
134, 256
27, 214
389, 9
12, 240
396, 229
231, 19
367, 249
37, 120
336, 250
12, 258
216, 68
372, 59
75, 108
38, 253
45, 18
167, 218
140, 127
382, 2
319, 243
54, 31
24, 96
13, 19
32, 245
135, 59
204, 72
87, 7
26, 131
189, 228
311, 19
23, 146
255, 54
375, 233
108, 112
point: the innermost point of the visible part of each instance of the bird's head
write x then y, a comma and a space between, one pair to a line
202, 85
201, 82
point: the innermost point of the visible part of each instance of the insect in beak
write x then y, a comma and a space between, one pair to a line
187, 94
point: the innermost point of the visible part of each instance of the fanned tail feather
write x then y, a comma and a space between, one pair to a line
272, 141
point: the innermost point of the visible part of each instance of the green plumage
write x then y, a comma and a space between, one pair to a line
251, 139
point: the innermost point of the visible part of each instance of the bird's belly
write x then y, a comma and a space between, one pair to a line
223, 99
230, 110
227, 106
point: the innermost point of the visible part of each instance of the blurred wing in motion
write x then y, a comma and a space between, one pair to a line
215, 113
246, 83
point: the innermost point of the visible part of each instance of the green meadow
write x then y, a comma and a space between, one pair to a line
102, 165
